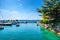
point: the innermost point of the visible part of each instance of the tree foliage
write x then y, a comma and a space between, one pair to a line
51, 10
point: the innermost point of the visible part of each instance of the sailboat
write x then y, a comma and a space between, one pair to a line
4, 22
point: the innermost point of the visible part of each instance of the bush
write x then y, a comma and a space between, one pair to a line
44, 21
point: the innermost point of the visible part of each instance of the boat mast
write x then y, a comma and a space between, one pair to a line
1, 14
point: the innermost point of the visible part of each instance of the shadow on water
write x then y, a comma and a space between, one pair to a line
17, 25
1, 29
48, 35
3, 26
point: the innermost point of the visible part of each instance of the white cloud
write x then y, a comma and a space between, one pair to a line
20, 4
13, 14
9, 14
19, 0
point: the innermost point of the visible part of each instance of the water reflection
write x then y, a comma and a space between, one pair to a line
4, 26
29, 31
49, 35
1, 29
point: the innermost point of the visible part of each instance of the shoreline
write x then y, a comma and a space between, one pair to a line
48, 28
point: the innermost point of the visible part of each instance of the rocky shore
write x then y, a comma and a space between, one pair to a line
56, 29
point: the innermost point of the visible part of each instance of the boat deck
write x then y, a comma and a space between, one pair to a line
8, 23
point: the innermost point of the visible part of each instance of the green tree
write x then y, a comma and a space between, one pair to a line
51, 10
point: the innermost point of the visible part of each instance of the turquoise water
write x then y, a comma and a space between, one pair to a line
29, 31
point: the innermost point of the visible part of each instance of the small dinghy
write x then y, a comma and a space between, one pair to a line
17, 24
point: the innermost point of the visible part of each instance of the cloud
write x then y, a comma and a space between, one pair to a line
14, 14
9, 14
21, 4
19, 0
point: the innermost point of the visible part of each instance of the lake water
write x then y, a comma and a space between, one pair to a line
29, 31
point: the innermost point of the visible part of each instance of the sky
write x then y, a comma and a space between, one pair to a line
20, 9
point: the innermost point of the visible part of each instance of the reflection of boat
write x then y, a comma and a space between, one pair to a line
37, 23
17, 23
1, 27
